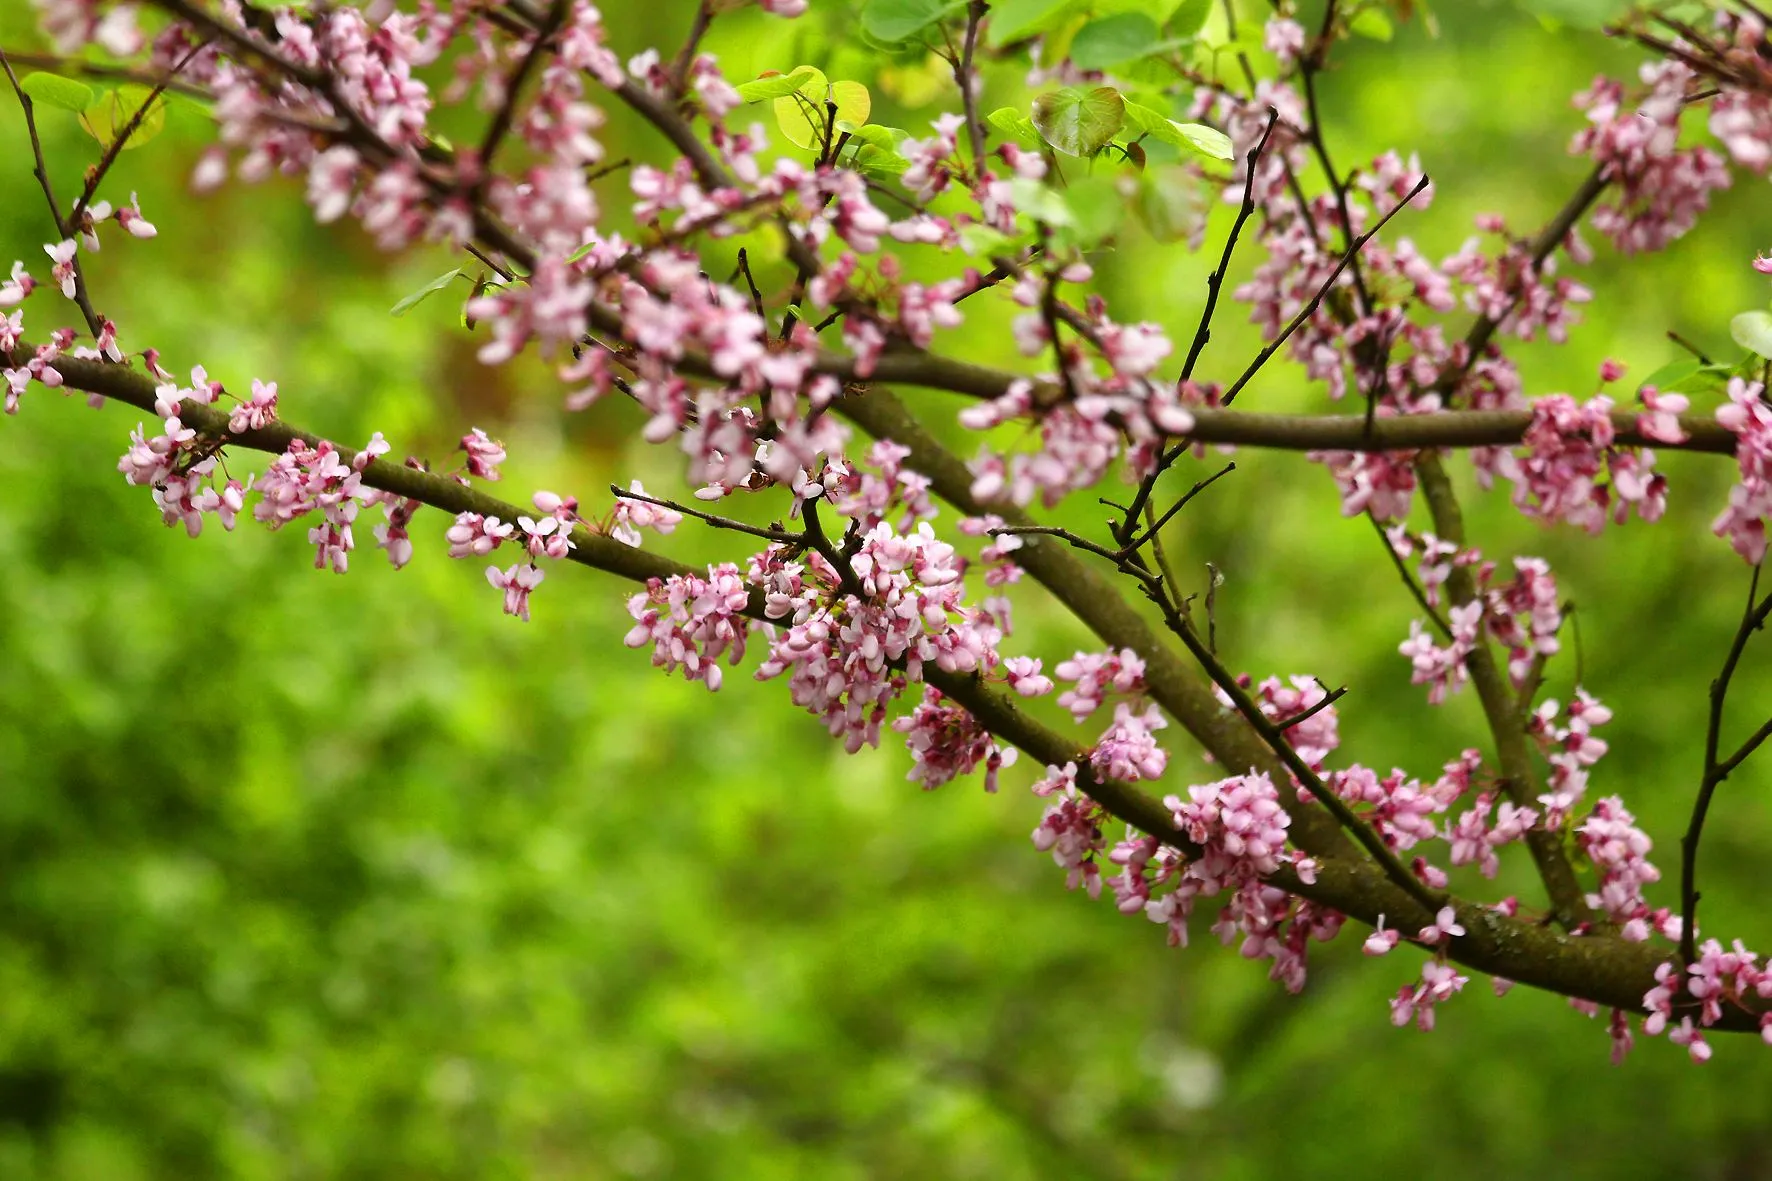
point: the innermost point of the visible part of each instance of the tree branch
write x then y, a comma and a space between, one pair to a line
1519, 774
1605, 970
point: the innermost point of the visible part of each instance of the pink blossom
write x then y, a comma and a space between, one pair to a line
517, 582
1381, 941
484, 454
631, 516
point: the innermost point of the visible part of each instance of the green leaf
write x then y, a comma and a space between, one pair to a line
982, 241
1115, 40
57, 91
425, 292
1172, 203
1015, 19
774, 85
1014, 124
1190, 18
1371, 23
111, 113
1080, 122
804, 116
1674, 374
880, 163
878, 136
899, 20
1753, 332
1196, 137
1039, 201
1097, 208
876, 152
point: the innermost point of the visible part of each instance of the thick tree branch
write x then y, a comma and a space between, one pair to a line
1520, 779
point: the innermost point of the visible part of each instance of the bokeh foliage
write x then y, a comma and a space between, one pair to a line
305, 876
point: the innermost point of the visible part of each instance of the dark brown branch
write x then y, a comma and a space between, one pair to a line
507, 110
1716, 769
1329, 698
1215, 280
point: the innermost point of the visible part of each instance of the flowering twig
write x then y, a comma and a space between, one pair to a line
63, 226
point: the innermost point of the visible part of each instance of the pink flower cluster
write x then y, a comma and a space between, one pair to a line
946, 741
1743, 522
1619, 849
1719, 977
308, 479
692, 622
1567, 455
1523, 613
1660, 187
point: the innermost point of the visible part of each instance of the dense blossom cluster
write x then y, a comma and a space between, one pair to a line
857, 599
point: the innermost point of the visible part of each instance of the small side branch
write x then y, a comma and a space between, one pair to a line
1717, 768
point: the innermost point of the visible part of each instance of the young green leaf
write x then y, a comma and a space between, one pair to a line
1674, 374
1039, 201
1371, 23
425, 292
1173, 203
1014, 124
1115, 40
1753, 332
57, 91
804, 116
1080, 122
899, 20
1012, 20
1097, 208
112, 112
1190, 18
1196, 137
774, 85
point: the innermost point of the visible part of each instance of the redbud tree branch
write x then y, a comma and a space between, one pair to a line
1603, 969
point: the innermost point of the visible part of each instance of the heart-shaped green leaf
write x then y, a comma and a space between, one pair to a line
804, 115
1080, 122
899, 20
106, 118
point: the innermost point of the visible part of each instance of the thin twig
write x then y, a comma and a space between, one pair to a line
1329, 699
507, 110
63, 227
1216, 279
96, 174
1310, 308
1753, 617
1409, 579
779, 536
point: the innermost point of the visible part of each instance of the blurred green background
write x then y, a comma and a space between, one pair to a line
313, 877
